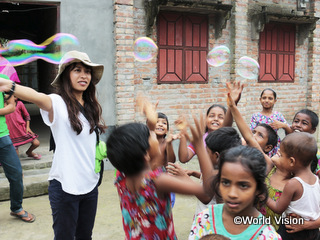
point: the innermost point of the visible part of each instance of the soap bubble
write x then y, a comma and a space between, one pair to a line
23, 51
218, 56
247, 68
144, 49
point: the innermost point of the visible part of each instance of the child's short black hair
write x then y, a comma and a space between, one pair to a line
214, 237
272, 135
222, 139
127, 146
162, 115
252, 160
269, 89
314, 117
300, 145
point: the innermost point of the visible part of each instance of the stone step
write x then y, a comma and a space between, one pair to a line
35, 176
35, 183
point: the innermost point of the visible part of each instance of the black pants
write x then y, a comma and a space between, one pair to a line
302, 235
73, 215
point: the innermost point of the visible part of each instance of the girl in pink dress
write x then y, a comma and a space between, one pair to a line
275, 119
19, 129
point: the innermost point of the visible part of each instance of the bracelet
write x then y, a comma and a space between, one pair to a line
10, 93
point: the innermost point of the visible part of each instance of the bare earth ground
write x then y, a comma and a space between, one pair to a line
108, 223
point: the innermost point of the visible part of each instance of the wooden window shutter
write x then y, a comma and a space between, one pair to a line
183, 44
277, 53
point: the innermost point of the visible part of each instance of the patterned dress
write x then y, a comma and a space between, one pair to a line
210, 221
145, 215
274, 194
17, 123
260, 118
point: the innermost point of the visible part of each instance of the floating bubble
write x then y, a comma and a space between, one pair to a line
247, 68
218, 56
22, 51
144, 49
8, 70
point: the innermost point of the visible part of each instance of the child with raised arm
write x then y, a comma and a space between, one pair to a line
144, 194
264, 138
217, 141
301, 194
217, 116
275, 119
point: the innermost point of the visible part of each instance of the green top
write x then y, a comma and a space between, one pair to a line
3, 125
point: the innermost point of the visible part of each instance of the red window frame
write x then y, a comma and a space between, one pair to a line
277, 53
183, 47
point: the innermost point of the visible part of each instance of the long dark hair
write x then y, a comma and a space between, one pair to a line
252, 160
91, 106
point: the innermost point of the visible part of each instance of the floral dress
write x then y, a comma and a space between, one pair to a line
260, 118
274, 194
210, 221
144, 214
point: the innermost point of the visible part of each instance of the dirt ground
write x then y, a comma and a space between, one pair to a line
108, 223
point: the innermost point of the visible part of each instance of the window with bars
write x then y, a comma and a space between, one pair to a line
183, 47
277, 53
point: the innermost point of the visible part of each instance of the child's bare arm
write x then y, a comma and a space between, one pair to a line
286, 197
184, 153
149, 110
245, 129
182, 185
194, 173
278, 124
9, 107
171, 157
176, 170
28, 129
235, 91
307, 225
206, 166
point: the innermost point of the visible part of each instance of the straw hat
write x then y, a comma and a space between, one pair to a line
76, 56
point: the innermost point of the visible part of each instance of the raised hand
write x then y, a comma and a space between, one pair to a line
148, 110
235, 90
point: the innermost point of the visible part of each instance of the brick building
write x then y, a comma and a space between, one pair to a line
282, 35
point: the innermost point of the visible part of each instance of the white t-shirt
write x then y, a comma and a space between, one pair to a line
74, 157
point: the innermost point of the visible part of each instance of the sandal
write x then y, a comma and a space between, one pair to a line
35, 156
30, 217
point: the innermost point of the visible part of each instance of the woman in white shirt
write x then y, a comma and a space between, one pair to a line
74, 117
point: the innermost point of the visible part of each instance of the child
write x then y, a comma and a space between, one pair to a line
217, 117
275, 119
214, 237
240, 183
165, 144
144, 194
264, 138
301, 194
217, 141
214, 120
20, 133
306, 120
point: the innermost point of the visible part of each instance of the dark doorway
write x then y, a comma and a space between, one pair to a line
35, 22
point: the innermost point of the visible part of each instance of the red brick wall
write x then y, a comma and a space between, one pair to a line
176, 99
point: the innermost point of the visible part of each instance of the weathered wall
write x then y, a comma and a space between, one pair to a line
132, 76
